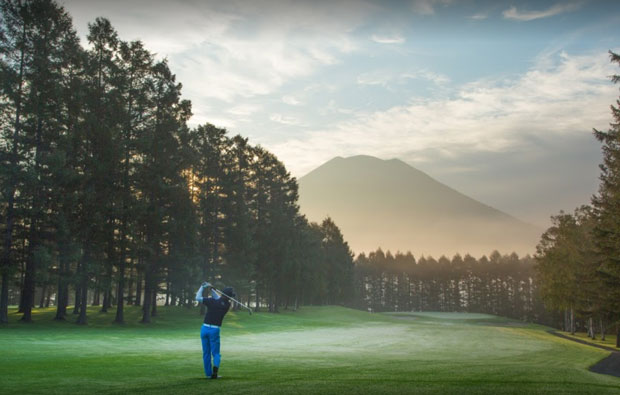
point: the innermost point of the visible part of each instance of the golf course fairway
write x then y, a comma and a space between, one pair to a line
314, 350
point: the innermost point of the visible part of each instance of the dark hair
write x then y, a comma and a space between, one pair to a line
229, 291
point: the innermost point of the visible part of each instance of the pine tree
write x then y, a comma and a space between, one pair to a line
559, 264
36, 37
158, 174
135, 63
210, 146
607, 208
240, 251
100, 133
15, 53
67, 178
339, 261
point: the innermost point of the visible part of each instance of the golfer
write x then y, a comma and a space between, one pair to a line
217, 307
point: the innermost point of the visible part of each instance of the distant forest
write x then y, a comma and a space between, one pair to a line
109, 198
500, 284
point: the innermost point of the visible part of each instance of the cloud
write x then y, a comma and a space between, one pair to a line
434, 77
513, 13
374, 78
386, 78
523, 145
242, 49
479, 16
244, 110
427, 7
291, 100
285, 120
394, 39
569, 97
193, 24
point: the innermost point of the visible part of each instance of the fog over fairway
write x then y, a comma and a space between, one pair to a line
392, 205
314, 350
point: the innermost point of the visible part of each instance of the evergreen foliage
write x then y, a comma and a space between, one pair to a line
579, 256
501, 284
607, 211
106, 191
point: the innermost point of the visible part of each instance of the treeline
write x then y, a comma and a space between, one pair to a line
498, 284
569, 273
572, 282
579, 255
108, 196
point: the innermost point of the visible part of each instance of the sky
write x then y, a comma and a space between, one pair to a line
496, 99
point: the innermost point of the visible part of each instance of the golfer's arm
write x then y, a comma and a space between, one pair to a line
214, 294
199, 295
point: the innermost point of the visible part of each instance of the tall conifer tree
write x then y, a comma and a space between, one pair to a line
607, 207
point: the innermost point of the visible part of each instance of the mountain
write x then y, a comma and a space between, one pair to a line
392, 205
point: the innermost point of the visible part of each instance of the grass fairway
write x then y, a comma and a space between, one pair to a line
314, 350
610, 340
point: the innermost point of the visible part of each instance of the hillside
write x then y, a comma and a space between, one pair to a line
392, 205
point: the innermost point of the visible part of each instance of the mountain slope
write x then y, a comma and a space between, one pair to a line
390, 204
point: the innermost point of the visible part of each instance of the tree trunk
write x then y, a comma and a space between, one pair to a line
106, 300
154, 303
43, 292
65, 299
138, 290
97, 292
61, 300
28, 290
29, 278
146, 306
83, 303
602, 328
167, 294
120, 319
22, 297
78, 294
4, 299
83, 277
49, 298
572, 321
130, 285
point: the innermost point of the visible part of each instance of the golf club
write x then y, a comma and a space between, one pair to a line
231, 298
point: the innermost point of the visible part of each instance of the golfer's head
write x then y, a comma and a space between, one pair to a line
229, 291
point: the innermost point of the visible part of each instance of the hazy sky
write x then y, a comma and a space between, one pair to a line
497, 99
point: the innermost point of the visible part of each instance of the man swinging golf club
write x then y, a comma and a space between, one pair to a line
217, 307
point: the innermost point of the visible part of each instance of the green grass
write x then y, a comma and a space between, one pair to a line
610, 339
314, 350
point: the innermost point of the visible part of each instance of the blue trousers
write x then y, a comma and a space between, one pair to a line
210, 347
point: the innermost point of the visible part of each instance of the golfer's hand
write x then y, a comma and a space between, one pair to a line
206, 284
